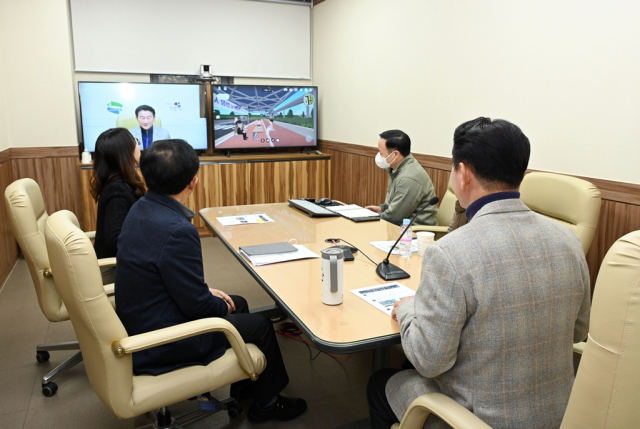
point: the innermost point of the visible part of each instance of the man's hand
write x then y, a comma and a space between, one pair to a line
225, 297
374, 209
394, 316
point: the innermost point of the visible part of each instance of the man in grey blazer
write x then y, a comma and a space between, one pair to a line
146, 133
500, 301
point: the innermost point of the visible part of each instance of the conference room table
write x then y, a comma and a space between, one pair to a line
296, 286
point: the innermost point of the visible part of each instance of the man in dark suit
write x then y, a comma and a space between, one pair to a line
160, 283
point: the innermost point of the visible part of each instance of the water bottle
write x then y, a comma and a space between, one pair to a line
405, 241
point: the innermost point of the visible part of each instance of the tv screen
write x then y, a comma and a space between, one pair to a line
179, 111
259, 116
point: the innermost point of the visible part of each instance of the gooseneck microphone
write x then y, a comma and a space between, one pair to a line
389, 271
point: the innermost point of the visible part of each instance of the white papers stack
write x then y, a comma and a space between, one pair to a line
244, 219
384, 296
274, 258
386, 245
353, 211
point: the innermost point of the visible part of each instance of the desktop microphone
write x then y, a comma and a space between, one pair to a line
389, 271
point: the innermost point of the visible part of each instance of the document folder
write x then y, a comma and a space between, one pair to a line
268, 249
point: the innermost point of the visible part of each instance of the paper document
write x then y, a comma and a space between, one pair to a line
353, 211
244, 219
384, 296
274, 258
386, 245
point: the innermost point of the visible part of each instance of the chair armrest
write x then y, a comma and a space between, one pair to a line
110, 289
91, 235
434, 228
171, 334
454, 414
578, 348
107, 262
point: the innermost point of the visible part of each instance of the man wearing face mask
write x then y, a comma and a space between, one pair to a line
410, 187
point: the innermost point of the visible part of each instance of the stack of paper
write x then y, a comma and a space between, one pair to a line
383, 297
353, 211
386, 245
274, 258
244, 219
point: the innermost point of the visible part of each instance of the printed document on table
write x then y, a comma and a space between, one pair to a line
244, 219
384, 296
386, 245
302, 253
353, 211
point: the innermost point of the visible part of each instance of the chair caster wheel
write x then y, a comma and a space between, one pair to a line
49, 389
42, 357
234, 410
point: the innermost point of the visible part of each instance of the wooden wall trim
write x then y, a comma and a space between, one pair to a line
45, 152
622, 192
317, 2
5, 156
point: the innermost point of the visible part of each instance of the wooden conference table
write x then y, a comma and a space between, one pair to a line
295, 286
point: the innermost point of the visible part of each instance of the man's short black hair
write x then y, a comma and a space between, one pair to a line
145, 107
168, 166
397, 140
496, 151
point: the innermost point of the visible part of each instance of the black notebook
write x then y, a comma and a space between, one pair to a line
268, 249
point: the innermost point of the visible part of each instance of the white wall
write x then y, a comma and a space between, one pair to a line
37, 79
4, 136
565, 71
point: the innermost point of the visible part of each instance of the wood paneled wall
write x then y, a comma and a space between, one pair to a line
56, 171
8, 245
356, 179
242, 180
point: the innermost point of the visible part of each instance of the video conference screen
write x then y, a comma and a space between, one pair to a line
257, 116
179, 112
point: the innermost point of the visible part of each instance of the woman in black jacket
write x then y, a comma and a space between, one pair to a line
115, 185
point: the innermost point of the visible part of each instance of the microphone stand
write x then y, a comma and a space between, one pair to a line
389, 271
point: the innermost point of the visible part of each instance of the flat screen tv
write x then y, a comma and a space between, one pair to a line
179, 111
264, 116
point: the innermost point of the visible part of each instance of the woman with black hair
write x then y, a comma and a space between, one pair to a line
115, 185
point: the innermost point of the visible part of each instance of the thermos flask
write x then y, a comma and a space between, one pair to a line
332, 271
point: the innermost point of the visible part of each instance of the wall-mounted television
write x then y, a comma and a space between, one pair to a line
179, 111
264, 116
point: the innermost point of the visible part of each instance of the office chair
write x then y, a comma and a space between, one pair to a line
130, 121
605, 391
28, 217
107, 348
567, 200
444, 214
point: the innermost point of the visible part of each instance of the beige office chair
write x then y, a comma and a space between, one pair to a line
28, 217
130, 121
605, 392
444, 215
567, 200
107, 347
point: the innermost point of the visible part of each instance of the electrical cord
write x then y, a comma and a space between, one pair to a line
338, 240
290, 330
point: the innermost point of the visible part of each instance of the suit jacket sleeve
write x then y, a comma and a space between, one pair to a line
180, 266
431, 324
582, 320
403, 203
115, 213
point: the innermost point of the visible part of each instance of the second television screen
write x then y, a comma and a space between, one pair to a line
262, 116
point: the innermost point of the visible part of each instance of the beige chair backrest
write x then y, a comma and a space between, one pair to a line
28, 218
94, 320
567, 200
130, 121
606, 390
447, 207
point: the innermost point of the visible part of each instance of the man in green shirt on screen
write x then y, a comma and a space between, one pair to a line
410, 187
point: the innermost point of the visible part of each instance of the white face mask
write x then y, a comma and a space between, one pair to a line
382, 162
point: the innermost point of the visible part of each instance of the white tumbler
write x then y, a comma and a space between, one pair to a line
332, 275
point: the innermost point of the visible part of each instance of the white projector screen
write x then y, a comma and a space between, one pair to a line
238, 38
